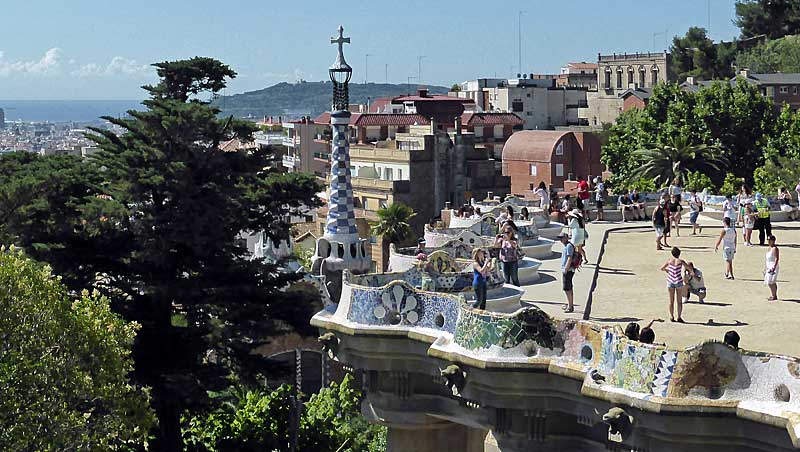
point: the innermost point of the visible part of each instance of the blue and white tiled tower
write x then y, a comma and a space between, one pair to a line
340, 248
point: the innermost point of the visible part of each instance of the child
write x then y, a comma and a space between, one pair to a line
749, 222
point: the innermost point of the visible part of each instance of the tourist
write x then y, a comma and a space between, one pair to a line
674, 268
632, 329
544, 196
476, 214
420, 252
695, 207
568, 266
564, 210
728, 239
508, 214
524, 215
638, 204
583, 197
675, 209
648, 336
578, 234
675, 188
600, 197
732, 339
509, 254
744, 198
771, 272
659, 223
748, 222
763, 221
785, 200
626, 205
481, 266
667, 200
693, 278
727, 208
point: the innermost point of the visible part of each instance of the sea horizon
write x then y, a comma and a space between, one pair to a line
66, 110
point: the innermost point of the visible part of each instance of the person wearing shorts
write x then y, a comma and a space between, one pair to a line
674, 268
728, 240
600, 199
567, 269
659, 223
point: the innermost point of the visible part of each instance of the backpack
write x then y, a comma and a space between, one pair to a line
576, 258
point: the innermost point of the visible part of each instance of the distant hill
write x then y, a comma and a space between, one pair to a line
306, 98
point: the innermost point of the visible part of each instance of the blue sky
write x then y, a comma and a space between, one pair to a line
100, 49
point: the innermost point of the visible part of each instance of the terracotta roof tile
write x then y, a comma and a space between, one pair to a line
490, 119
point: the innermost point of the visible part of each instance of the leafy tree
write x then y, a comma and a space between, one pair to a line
49, 206
785, 141
731, 184
697, 181
773, 18
455, 88
778, 55
183, 203
393, 226
63, 366
696, 55
776, 174
265, 420
664, 162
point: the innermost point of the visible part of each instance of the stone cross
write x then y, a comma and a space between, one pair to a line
341, 40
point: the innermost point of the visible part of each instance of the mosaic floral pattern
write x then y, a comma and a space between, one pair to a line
478, 329
626, 365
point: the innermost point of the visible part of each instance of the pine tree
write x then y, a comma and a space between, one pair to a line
182, 271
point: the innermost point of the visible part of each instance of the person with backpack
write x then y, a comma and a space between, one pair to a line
570, 262
509, 253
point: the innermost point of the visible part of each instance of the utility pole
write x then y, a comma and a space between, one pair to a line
419, 69
366, 68
519, 38
410, 77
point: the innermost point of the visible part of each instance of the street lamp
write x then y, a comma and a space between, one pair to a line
340, 73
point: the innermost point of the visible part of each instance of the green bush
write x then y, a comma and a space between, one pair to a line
774, 174
731, 185
698, 181
265, 420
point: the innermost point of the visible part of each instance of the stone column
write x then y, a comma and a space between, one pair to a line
440, 437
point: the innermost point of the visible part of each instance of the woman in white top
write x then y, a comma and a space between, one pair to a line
675, 188
771, 272
544, 196
577, 232
728, 239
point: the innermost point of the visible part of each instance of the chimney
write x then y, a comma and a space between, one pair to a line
458, 125
422, 92
690, 80
433, 126
745, 73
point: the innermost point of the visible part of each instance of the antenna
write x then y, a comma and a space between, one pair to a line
519, 36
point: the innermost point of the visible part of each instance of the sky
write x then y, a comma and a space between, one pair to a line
101, 49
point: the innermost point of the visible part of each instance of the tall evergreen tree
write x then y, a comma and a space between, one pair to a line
183, 273
773, 18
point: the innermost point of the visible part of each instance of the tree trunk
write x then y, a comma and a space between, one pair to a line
169, 422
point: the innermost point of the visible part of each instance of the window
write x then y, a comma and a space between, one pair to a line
654, 74
784, 90
619, 78
641, 76
516, 106
607, 82
559, 170
399, 174
533, 169
530, 113
630, 76
528, 95
364, 202
794, 91
389, 174
560, 148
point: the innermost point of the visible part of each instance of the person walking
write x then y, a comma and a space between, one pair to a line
727, 208
785, 200
675, 210
763, 221
481, 266
728, 239
568, 257
674, 268
771, 272
695, 207
509, 254
600, 198
577, 234
659, 223
583, 197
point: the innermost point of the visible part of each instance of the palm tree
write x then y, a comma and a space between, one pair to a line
664, 162
393, 225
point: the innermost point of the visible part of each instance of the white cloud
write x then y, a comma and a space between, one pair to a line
48, 64
117, 66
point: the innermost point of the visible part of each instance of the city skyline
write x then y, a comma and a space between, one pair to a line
109, 55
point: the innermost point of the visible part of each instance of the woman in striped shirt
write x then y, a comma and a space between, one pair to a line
674, 268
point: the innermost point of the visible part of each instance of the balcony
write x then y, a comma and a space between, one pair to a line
289, 161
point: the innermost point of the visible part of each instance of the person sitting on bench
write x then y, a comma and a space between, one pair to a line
626, 205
